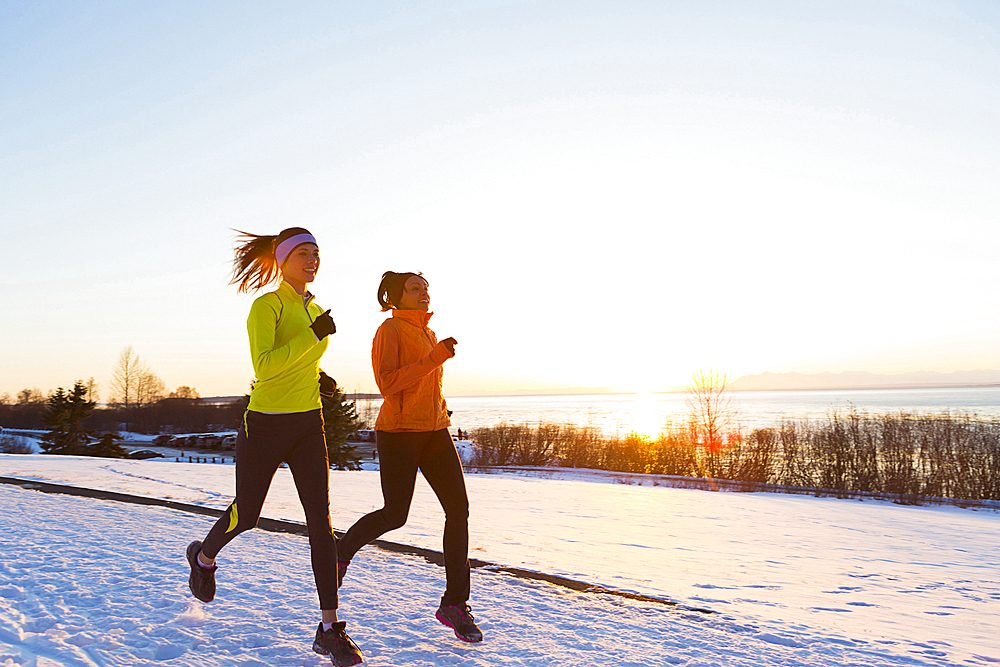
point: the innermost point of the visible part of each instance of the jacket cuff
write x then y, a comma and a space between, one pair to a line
440, 354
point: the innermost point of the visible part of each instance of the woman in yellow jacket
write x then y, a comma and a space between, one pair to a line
411, 433
284, 421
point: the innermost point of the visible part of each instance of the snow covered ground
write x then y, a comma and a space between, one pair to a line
793, 580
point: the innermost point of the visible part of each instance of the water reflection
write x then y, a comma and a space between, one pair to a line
647, 413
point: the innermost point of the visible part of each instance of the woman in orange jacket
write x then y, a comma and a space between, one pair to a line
411, 433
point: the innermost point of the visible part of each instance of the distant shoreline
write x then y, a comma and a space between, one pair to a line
741, 390
860, 387
864, 387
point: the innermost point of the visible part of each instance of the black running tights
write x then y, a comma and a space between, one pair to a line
433, 454
264, 441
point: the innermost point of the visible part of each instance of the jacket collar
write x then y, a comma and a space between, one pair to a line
417, 318
286, 291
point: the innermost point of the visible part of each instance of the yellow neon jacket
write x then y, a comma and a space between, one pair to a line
407, 359
284, 351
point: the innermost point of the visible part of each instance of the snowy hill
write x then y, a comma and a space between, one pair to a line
791, 580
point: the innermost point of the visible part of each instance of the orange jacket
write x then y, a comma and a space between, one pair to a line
407, 359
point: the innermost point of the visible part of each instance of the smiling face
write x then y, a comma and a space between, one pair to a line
302, 265
415, 295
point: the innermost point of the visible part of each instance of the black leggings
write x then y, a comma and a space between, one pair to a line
400, 456
264, 441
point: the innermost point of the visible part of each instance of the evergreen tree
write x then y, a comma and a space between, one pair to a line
64, 415
341, 419
108, 447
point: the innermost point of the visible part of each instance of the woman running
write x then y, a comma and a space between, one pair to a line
284, 421
411, 433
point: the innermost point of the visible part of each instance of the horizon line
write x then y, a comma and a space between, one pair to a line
681, 390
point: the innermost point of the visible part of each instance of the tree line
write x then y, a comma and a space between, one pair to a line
138, 401
75, 425
170, 414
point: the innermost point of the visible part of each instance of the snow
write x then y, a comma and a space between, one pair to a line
793, 580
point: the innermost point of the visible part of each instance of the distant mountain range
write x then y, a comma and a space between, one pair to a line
861, 379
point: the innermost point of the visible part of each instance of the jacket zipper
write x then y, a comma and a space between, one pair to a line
305, 304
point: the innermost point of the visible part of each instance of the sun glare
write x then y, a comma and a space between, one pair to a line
644, 416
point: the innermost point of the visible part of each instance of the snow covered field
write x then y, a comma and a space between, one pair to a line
793, 580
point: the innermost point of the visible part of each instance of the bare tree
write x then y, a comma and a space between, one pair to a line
92, 388
189, 393
30, 396
149, 388
125, 377
713, 420
367, 412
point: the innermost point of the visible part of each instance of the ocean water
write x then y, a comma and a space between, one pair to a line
648, 413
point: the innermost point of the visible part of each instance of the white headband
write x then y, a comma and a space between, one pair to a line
288, 245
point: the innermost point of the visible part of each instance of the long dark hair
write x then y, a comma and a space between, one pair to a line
390, 290
254, 265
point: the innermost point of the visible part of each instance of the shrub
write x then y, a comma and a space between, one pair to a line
14, 444
908, 456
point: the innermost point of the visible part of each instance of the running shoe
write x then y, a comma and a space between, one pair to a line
335, 643
202, 579
459, 618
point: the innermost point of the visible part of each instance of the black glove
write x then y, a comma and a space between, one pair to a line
323, 325
450, 343
327, 385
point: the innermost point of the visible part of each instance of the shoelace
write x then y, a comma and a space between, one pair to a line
465, 613
342, 632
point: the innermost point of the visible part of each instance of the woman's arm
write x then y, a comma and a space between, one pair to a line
269, 361
389, 376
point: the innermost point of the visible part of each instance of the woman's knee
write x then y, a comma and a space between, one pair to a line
242, 516
394, 517
457, 510
317, 509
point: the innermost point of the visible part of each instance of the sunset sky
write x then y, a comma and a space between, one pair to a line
602, 194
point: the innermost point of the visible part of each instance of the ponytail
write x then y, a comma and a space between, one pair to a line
254, 264
390, 290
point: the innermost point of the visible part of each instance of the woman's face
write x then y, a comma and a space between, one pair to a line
302, 264
415, 295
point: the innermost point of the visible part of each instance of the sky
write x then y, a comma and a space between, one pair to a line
602, 195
